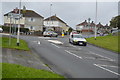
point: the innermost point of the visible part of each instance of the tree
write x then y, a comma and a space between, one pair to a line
115, 22
70, 29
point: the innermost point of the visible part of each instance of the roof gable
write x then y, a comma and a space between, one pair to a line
26, 13
54, 18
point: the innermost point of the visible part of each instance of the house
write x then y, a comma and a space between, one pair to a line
100, 27
30, 19
86, 27
56, 24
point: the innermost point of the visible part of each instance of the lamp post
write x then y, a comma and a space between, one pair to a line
18, 32
96, 21
89, 25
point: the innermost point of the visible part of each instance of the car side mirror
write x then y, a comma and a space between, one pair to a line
72, 36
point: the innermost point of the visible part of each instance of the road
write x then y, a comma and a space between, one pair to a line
74, 61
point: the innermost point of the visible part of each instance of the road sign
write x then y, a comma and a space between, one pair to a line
15, 16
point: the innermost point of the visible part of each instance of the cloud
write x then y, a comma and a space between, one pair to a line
72, 13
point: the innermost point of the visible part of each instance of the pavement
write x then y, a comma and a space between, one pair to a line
25, 58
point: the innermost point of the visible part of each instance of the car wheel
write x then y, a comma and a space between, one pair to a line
85, 44
69, 41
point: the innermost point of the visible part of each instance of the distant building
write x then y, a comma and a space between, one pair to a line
56, 24
85, 27
30, 19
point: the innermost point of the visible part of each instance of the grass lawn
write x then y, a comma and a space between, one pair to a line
109, 42
4, 42
18, 71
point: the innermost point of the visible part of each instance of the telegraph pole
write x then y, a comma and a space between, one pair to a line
18, 32
96, 21
89, 26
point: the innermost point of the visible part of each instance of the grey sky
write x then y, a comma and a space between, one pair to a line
72, 13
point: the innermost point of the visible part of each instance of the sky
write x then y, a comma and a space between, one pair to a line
72, 13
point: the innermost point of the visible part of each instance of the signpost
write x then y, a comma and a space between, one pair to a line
18, 33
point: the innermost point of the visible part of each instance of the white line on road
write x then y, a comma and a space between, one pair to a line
55, 45
107, 66
107, 69
73, 54
101, 56
38, 42
55, 41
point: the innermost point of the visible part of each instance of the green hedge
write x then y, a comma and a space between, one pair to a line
7, 29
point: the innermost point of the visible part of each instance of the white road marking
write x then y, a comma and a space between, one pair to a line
55, 41
101, 56
73, 54
107, 69
107, 65
38, 42
55, 45
89, 57
44, 37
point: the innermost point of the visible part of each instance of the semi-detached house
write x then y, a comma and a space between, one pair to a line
30, 19
56, 24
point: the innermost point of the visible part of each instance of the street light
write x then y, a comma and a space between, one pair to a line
89, 24
18, 33
96, 20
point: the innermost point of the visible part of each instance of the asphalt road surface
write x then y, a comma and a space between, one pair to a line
74, 61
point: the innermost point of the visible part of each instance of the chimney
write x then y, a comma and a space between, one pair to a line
55, 14
16, 10
92, 21
24, 8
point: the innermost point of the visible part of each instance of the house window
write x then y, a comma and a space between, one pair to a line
31, 27
31, 19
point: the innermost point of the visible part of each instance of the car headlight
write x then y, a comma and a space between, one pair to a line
85, 41
75, 40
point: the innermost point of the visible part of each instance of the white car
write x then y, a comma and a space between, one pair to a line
1, 30
77, 39
49, 34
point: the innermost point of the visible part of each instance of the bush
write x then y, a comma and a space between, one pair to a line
7, 29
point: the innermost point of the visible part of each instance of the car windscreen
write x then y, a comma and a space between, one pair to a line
77, 36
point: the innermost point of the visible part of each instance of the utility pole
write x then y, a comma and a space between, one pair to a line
96, 21
89, 25
18, 32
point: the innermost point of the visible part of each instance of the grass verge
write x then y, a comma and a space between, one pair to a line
18, 71
109, 42
5, 43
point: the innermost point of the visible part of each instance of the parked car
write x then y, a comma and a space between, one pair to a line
1, 30
77, 39
50, 34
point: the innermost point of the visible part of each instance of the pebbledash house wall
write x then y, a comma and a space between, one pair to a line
7, 21
26, 22
36, 23
57, 25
